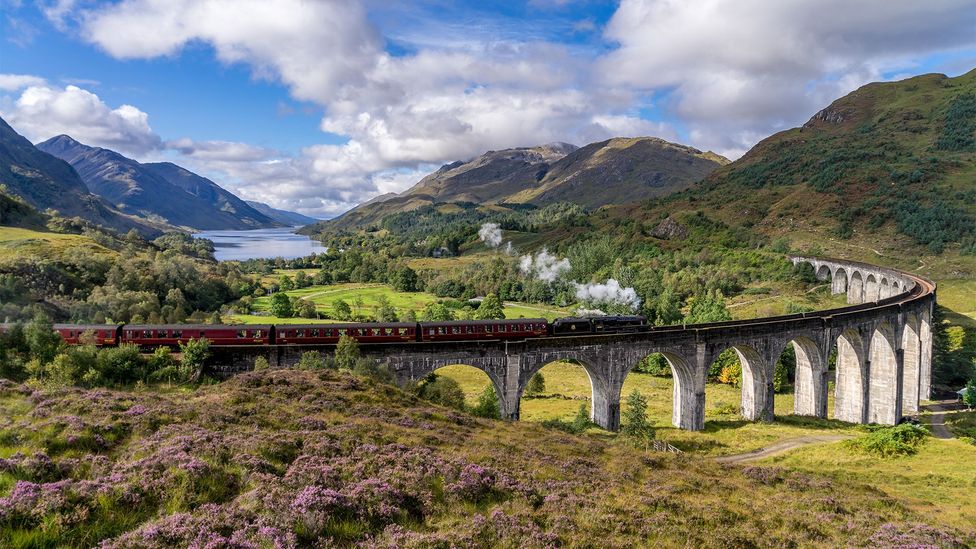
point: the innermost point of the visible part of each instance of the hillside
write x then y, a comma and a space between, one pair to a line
886, 174
322, 458
146, 190
615, 171
285, 217
46, 182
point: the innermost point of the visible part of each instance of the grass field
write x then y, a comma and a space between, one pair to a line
568, 387
364, 299
937, 481
18, 245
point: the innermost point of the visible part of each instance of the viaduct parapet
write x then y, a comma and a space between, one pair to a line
883, 344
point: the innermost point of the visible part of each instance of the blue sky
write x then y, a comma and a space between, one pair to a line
316, 106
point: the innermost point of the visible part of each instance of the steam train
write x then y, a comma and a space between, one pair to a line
145, 335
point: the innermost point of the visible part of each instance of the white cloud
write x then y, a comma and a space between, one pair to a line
729, 72
15, 82
741, 69
43, 111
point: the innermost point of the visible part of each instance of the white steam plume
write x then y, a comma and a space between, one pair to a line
610, 292
544, 266
491, 234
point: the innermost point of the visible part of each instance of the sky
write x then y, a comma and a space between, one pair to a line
317, 105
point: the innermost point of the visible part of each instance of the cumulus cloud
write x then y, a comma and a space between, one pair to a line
727, 72
43, 111
741, 69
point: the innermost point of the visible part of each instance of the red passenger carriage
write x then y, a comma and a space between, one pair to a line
174, 334
313, 334
462, 330
100, 334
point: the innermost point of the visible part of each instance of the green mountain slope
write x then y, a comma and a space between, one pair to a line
887, 173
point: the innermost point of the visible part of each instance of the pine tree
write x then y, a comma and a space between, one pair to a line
537, 385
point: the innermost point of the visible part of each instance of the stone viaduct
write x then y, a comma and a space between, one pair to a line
883, 341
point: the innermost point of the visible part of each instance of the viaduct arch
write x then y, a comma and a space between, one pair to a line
883, 339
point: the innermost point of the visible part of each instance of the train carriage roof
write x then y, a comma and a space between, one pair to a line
348, 325
485, 322
198, 326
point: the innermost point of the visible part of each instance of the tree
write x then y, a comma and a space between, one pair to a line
347, 353
42, 341
405, 279
491, 308
487, 406
409, 316
341, 310
302, 280
261, 364
635, 424
305, 308
285, 283
215, 318
195, 354
970, 397
537, 385
281, 305
708, 307
667, 310
434, 312
442, 390
385, 312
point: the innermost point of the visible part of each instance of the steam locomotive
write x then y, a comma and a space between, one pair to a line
145, 335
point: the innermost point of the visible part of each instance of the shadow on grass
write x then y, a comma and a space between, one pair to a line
716, 425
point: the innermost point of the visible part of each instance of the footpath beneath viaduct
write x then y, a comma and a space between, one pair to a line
883, 341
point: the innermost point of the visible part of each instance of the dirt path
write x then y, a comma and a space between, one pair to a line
937, 419
781, 447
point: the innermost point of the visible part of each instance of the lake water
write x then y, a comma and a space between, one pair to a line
261, 243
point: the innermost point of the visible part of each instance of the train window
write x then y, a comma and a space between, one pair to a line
441, 330
177, 333
315, 332
342, 331
241, 334
455, 329
301, 333
403, 331
257, 333
432, 331
469, 329
281, 333
488, 329
147, 333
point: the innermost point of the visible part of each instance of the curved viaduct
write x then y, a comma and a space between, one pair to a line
883, 341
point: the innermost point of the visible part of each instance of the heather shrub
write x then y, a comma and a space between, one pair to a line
900, 440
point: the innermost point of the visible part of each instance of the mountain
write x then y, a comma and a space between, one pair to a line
888, 171
46, 182
609, 172
291, 219
161, 192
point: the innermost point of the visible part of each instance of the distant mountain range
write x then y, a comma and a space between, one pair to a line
46, 182
290, 219
614, 171
163, 192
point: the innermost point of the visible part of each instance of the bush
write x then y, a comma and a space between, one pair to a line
195, 354
371, 369
281, 305
654, 364
900, 440
487, 406
969, 399
311, 360
122, 364
580, 423
347, 353
537, 385
442, 390
260, 364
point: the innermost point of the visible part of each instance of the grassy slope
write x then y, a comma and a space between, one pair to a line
325, 296
241, 454
18, 245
